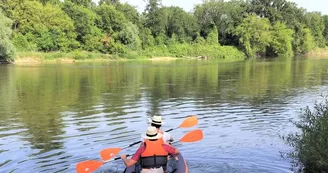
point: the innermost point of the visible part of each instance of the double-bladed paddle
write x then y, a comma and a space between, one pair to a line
187, 123
92, 165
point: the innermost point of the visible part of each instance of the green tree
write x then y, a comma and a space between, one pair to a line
109, 19
130, 13
212, 37
225, 15
147, 39
325, 31
304, 41
281, 42
86, 3
270, 9
180, 23
254, 34
129, 36
109, 2
112, 22
55, 32
88, 35
316, 24
7, 50
49, 1
60, 27
155, 17
281, 11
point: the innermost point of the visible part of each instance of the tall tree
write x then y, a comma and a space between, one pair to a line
254, 34
180, 23
281, 40
130, 13
225, 15
49, 1
108, 2
86, 3
325, 31
55, 32
84, 22
112, 22
155, 17
7, 50
316, 24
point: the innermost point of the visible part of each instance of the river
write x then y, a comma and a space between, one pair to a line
53, 116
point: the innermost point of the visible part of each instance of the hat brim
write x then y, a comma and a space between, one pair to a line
144, 135
151, 121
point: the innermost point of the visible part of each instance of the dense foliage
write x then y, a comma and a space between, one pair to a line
310, 145
7, 50
256, 27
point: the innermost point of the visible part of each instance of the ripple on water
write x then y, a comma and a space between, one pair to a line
241, 114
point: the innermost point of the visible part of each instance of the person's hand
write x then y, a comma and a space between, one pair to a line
123, 156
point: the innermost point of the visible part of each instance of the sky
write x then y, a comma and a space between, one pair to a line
310, 5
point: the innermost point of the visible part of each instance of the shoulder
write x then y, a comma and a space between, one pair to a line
168, 148
141, 149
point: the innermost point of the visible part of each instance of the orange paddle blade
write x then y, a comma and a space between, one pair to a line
109, 153
189, 122
193, 136
88, 166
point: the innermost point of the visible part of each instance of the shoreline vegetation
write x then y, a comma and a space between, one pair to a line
318, 52
110, 29
83, 56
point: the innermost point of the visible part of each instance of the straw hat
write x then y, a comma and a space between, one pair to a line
156, 120
151, 133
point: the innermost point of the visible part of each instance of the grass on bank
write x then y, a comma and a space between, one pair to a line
174, 50
318, 52
77, 55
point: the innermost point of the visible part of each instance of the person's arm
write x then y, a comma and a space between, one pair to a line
170, 149
128, 162
135, 158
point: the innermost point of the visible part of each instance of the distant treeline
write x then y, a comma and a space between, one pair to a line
232, 28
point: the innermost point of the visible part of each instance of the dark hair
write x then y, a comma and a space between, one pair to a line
156, 125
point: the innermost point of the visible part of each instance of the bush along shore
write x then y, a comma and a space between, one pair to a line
310, 143
110, 29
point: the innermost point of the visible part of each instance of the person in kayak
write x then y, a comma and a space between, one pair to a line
157, 122
153, 154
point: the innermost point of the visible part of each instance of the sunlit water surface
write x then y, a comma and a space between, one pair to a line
54, 116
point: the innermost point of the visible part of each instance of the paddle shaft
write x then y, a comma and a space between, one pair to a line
171, 129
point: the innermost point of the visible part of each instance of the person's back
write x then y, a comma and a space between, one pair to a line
153, 153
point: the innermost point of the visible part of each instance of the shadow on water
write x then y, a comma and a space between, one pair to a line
53, 116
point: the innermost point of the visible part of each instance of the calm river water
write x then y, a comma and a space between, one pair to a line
53, 116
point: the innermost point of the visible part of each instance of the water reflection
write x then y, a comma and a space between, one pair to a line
53, 116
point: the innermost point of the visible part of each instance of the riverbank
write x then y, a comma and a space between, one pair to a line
72, 57
156, 53
318, 52
59, 57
